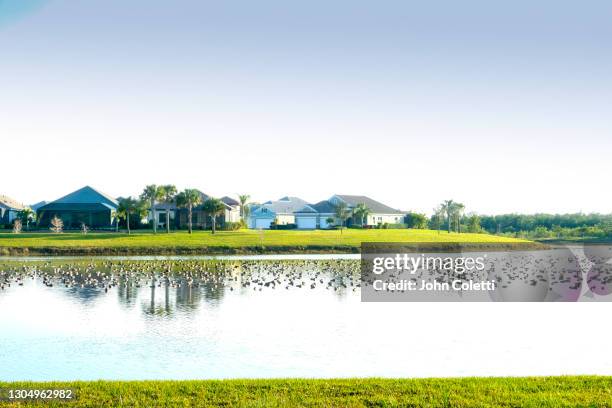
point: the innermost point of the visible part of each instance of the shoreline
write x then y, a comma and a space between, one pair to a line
249, 250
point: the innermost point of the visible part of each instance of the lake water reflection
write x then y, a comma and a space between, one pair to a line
221, 330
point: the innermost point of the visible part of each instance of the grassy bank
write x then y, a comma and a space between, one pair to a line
204, 242
579, 391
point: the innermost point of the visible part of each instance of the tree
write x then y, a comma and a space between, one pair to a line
361, 211
454, 212
189, 198
458, 209
447, 207
17, 226
437, 218
26, 216
474, 223
244, 208
213, 207
169, 197
342, 212
416, 220
152, 194
330, 221
129, 206
57, 225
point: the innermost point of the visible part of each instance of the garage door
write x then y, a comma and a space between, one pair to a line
306, 223
262, 223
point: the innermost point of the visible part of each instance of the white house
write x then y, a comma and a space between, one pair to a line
281, 211
314, 216
379, 212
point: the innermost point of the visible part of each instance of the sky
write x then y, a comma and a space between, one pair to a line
505, 107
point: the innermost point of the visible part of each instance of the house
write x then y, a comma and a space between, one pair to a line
9, 209
314, 216
200, 219
85, 206
379, 212
281, 212
232, 214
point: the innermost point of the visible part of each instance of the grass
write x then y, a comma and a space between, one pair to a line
574, 391
226, 241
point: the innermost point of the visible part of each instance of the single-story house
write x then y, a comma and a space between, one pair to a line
282, 212
9, 209
313, 216
85, 206
179, 216
379, 212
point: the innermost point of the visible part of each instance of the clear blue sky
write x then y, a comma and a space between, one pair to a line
505, 107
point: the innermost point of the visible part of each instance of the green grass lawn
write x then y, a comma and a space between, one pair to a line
580, 391
317, 239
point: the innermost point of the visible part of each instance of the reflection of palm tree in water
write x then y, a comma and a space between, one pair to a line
164, 308
127, 293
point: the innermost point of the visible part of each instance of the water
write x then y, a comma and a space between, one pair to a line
58, 333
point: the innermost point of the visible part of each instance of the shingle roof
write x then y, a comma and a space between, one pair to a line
373, 205
286, 205
324, 207
86, 195
86, 198
10, 203
229, 201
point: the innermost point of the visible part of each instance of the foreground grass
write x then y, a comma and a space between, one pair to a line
271, 240
582, 391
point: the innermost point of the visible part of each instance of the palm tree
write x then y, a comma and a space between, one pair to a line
458, 212
169, 196
437, 217
116, 217
213, 207
342, 212
189, 198
152, 194
244, 208
126, 207
26, 215
448, 207
361, 211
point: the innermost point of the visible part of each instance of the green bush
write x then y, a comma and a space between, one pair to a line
386, 225
231, 226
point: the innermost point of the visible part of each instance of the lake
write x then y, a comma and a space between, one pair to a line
311, 323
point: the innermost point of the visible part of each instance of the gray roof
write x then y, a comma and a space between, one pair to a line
87, 198
286, 205
373, 205
229, 201
86, 195
322, 207
10, 203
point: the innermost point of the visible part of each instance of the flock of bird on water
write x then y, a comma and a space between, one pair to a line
258, 275
253, 275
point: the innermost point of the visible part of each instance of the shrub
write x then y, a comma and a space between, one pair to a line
386, 225
283, 226
231, 226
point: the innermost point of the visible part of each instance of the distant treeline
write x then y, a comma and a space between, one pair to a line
521, 225
549, 225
